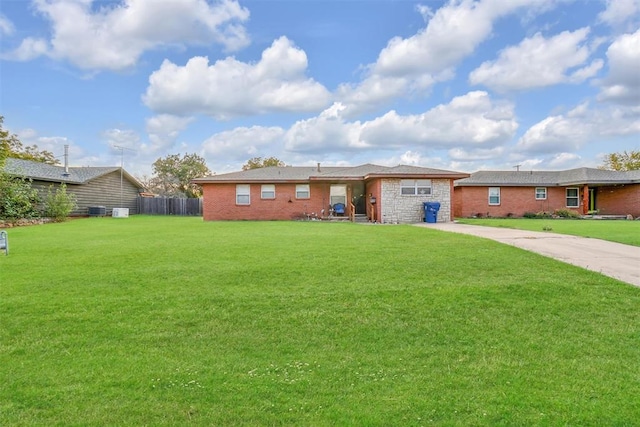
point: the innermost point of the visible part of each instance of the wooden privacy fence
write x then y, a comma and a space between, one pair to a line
169, 206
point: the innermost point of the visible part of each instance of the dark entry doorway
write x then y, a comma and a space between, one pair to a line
358, 198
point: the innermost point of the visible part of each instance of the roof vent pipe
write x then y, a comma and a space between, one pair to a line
318, 166
66, 159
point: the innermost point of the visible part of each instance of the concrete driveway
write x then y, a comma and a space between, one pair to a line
615, 260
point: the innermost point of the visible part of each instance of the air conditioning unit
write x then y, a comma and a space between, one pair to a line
120, 213
97, 211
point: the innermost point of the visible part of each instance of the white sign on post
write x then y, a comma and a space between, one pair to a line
4, 242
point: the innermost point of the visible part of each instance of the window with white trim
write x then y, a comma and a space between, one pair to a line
243, 194
414, 187
338, 194
573, 197
541, 193
268, 191
302, 191
494, 196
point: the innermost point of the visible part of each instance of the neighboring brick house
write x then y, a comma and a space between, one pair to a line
377, 193
109, 187
514, 193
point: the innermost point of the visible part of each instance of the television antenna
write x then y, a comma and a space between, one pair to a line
121, 148
517, 167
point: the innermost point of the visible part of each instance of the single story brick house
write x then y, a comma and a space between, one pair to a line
514, 193
375, 193
94, 186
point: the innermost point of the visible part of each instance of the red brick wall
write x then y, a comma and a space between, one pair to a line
472, 201
220, 203
618, 200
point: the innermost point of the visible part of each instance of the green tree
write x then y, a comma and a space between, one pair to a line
11, 146
625, 161
18, 199
59, 204
259, 162
173, 175
7, 140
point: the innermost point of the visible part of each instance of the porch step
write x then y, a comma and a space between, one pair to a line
356, 218
360, 218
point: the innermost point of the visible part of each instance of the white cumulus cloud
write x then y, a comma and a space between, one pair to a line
121, 137
230, 88
475, 154
415, 63
623, 82
468, 120
114, 36
163, 131
620, 12
325, 132
571, 131
538, 61
245, 142
564, 160
29, 49
6, 26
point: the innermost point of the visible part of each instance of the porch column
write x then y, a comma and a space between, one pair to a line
451, 200
585, 199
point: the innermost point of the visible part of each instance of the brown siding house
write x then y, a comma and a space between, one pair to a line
110, 187
370, 192
514, 193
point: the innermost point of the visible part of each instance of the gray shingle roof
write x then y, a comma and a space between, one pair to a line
45, 172
579, 176
332, 173
270, 174
416, 170
353, 172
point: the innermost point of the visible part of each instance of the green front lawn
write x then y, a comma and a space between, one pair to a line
176, 321
621, 231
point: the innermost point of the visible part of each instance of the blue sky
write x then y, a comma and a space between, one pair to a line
459, 85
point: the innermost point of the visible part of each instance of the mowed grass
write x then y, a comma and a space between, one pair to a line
621, 231
176, 321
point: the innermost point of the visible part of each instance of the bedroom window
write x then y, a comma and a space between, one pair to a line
268, 191
494, 196
573, 199
541, 193
338, 194
243, 194
302, 191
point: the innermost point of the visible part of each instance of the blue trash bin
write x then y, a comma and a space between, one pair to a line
431, 212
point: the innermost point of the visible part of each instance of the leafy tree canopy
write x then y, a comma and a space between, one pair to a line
172, 175
625, 161
259, 162
10, 146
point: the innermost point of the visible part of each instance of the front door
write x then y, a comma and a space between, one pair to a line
358, 198
592, 200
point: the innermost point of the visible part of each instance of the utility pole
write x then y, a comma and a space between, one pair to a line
118, 147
